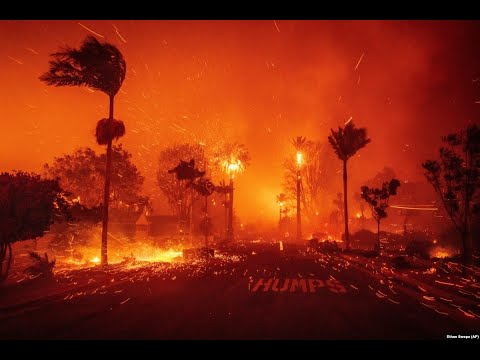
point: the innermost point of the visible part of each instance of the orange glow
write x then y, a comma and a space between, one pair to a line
233, 167
441, 253
299, 158
139, 252
358, 215
413, 208
218, 81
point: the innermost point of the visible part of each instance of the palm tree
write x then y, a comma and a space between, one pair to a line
99, 66
281, 199
299, 143
346, 142
233, 158
205, 188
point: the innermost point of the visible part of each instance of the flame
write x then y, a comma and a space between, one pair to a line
87, 256
358, 215
441, 253
232, 167
299, 158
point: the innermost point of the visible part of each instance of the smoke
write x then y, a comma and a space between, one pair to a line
408, 82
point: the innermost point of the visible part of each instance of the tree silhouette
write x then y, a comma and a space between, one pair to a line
456, 179
28, 206
205, 188
186, 171
85, 166
281, 200
231, 158
223, 189
299, 143
179, 197
317, 180
377, 200
346, 142
100, 66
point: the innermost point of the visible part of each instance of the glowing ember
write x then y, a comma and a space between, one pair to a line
358, 215
131, 253
440, 253
299, 158
233, 167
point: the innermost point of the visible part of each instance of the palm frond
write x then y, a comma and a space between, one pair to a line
100, 66
347, 141
299, 143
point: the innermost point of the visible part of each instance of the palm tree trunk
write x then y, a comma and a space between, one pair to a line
106, 194
345, 204
299, 215
4, 259
3, 248
280, 219
225, 205
378, 237
230, 215
206, 225
467, 250
190, 219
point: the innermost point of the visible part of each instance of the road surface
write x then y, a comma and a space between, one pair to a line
252, 291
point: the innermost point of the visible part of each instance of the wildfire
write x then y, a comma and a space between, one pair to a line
440, 253
299, 158
233, 167
87, 256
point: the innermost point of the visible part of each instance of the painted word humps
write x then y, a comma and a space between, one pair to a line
297, 285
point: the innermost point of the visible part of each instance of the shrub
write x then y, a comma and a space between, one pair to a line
42, 266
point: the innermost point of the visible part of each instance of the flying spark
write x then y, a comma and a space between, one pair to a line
120, 36
93, 32
33, 51
359, 61
348, 120
16, 60
276, 25
413, 208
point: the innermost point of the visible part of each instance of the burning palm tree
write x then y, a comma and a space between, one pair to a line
281, 200
99, 66
346, 142
233, 158
299, 143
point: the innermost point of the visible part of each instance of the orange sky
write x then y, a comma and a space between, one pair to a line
258, 82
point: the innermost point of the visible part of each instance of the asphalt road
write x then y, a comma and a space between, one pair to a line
243, 295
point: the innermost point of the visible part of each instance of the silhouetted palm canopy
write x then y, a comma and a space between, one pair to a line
97, 65
281, 198
347, 141
299, 142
